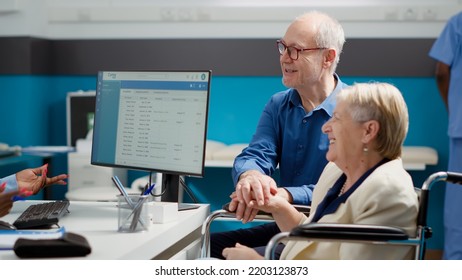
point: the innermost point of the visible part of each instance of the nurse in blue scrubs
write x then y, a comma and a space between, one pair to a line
447, 50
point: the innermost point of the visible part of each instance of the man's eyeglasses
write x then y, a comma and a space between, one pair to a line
293, 51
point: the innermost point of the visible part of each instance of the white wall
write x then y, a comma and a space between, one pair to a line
81, 19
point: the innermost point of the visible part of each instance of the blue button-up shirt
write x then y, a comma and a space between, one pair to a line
289, 137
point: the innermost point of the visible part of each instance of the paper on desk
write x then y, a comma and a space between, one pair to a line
47, 149
9, 237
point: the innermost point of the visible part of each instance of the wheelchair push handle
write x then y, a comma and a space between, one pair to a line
454, 177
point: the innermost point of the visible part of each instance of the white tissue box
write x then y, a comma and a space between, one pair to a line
163, 212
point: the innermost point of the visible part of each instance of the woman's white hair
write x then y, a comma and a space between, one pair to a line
385, 104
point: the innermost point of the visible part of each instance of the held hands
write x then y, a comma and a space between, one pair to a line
253, 185
35, 179
243, 212
253, 193
276, 203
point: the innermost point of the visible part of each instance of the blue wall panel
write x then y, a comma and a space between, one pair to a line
236, 104
24, 112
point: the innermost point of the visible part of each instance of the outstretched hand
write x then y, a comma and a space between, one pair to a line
35, 179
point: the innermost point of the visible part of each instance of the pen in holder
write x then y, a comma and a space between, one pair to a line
133, 213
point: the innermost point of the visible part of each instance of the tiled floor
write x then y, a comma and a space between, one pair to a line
433, 255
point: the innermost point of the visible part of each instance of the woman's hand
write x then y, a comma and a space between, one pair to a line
247, 212
243, 212
241, 252
273, 205
35, 179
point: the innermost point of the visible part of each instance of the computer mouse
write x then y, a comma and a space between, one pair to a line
6, 226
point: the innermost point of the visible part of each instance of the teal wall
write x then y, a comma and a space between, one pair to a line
34, 112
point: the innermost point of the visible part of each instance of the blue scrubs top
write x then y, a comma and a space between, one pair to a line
448, 49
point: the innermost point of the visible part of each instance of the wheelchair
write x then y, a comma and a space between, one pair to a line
373, 234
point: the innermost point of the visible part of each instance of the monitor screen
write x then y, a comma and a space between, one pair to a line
151, 120
80, 111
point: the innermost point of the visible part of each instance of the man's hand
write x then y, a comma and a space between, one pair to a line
34, 179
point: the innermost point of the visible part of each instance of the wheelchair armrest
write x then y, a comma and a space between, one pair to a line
300, 208
305, 209
349, 232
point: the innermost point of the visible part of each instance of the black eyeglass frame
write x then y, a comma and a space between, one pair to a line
290, 49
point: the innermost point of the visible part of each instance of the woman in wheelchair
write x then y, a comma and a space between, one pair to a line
364, 182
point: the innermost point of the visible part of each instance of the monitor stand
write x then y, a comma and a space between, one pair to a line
172, 186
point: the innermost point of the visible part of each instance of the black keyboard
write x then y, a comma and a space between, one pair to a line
42, 215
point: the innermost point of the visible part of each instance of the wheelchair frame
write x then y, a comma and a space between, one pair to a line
372, 234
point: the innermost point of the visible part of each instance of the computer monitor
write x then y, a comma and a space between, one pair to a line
154, 121
80, 111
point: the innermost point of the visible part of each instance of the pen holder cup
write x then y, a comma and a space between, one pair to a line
133, 213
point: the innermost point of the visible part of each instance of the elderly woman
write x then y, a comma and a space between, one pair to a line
364, 182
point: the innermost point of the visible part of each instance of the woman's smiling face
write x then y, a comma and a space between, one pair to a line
344, 135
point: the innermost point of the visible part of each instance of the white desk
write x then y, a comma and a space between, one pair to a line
97, 221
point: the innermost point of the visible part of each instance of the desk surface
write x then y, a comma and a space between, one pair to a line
97, 221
